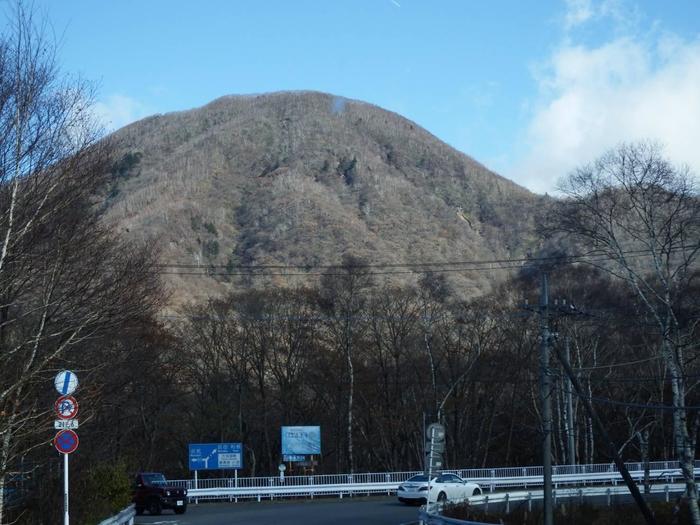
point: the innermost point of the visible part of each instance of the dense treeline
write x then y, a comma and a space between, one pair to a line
263, 359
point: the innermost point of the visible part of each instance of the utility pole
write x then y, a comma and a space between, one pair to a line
571, 444
546, 399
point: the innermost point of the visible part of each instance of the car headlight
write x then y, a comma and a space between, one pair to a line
185, 492
167, 493
423, 488
401, 488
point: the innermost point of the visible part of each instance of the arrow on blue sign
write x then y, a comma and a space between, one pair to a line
215, 456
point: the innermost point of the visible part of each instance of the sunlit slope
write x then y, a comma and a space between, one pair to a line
299, 178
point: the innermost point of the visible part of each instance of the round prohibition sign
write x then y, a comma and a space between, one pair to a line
65, 382
66, 441
66, 407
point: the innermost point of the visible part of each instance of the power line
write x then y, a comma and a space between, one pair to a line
261, 270
615, 365
306, 274
650, 406
507, 261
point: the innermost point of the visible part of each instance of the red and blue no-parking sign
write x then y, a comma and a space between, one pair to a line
66, 441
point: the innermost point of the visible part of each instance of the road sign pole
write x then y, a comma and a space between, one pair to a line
195, 480
66, 518
66, 440
430, 463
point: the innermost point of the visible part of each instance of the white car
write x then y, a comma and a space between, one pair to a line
443, 487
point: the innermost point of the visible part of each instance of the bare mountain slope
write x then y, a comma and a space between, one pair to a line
299, 178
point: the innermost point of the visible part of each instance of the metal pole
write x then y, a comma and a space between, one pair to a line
66, 518
430, 463
425, 465
645, 459
569, 412
546, 391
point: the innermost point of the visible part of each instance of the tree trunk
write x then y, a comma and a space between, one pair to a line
683, 441
351, 393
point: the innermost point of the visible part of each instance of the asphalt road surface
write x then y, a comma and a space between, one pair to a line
349, 511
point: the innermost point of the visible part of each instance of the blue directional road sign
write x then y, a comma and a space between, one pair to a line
216, 456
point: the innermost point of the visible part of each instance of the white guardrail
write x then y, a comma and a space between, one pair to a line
490, 479
125, 517
430, 514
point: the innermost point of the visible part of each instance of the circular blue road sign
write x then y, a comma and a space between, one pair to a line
65, 382
66, 441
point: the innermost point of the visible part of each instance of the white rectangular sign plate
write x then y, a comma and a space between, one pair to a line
63, 424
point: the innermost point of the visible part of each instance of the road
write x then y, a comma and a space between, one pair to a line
374, 511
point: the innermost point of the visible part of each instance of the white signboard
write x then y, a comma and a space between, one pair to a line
66, 382
65, 424
230, 460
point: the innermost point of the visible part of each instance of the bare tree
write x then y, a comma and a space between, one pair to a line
64, 277
343, 300
640, 218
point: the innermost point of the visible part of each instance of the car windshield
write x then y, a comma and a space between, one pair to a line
153, 479
419, 477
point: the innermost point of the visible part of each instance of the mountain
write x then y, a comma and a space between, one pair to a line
300, 178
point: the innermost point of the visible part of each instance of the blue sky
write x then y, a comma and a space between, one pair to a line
531, 89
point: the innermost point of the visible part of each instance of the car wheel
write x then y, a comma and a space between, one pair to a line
154, 507
442, 497
477, 492
180, 510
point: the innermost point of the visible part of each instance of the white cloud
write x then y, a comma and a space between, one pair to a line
118, 110
577, 12
594, 97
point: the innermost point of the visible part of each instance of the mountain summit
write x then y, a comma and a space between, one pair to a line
300, 178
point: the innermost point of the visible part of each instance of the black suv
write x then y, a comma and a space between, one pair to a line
152, 493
